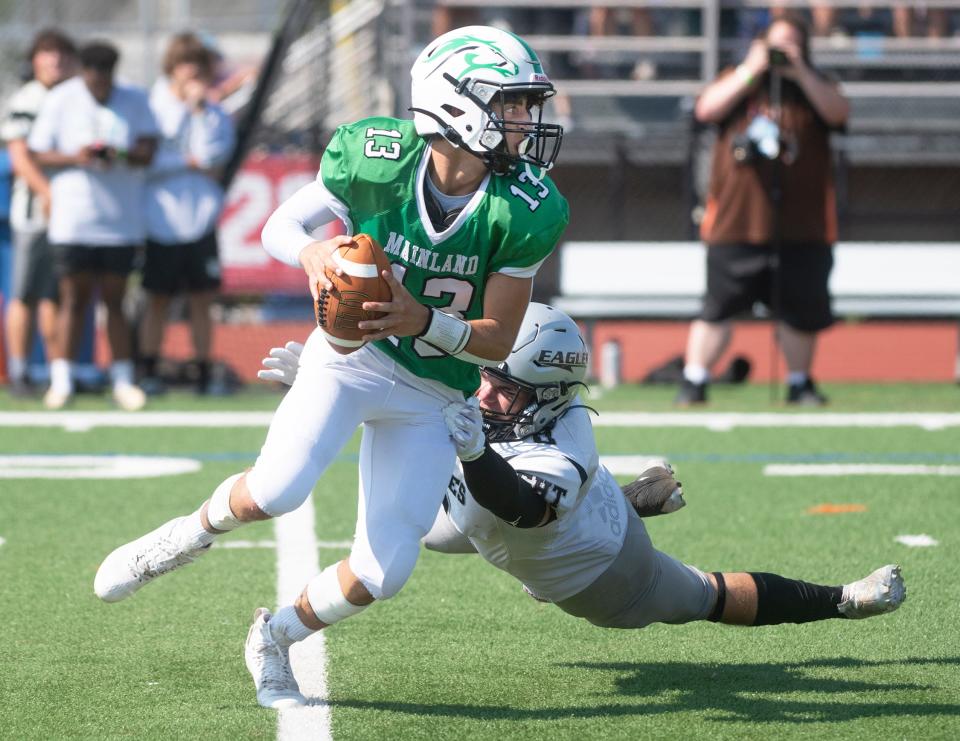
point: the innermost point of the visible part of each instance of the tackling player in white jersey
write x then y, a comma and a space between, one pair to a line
529, 495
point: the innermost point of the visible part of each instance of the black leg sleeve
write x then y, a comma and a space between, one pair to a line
496, 486
781, 600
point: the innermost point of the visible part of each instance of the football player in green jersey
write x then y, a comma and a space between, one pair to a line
462, 204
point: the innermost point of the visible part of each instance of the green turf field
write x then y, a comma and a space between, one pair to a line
462, 653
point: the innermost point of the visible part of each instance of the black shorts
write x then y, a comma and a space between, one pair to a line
740, 275
188, 266
85, 258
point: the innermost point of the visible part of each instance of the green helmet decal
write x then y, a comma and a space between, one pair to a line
532, 57
489, 57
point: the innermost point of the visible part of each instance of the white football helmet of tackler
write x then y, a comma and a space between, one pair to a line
546, 367
459, 77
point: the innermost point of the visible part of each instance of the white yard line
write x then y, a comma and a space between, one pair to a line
723, 421
329, 544
297, 563
917, 541
719, 421
93, 466
858, 469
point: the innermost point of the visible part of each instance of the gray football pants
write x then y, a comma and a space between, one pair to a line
643, 586
640, 587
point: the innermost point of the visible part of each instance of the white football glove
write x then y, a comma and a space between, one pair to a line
282, 364
465, 423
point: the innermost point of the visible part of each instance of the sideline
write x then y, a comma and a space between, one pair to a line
858, 469
717, 421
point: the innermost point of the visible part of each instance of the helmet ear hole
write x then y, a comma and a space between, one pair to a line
452, 110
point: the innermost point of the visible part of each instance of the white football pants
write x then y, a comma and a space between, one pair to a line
406, 454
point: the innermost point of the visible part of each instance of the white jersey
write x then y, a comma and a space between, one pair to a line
89, 205
26, 215
183, 203
564, 557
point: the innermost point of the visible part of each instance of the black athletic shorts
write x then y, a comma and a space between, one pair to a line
740, 275
85, 258
187, 266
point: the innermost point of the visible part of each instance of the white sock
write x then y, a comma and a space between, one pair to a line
219, 514
61, 375
121, 373
194, 530
286, 627
797, 378
696, 374
16, 367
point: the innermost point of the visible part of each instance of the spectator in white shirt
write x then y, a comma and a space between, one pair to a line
98, 136
184, 201
52, 59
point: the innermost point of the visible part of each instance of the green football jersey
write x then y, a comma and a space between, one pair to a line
376, 168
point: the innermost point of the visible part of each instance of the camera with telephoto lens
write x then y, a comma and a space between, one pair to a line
760, 141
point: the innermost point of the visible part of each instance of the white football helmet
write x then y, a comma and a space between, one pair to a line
548, 362
459, 76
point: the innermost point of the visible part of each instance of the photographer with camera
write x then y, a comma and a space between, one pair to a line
770, 218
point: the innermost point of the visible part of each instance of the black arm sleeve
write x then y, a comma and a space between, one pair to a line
497, 487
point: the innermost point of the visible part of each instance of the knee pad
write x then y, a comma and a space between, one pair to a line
327, 600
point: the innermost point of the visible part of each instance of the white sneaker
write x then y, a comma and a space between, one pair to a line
880, 592
128, 397
131, 566
55, 399
269, 664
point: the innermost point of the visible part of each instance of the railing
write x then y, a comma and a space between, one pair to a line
835, 53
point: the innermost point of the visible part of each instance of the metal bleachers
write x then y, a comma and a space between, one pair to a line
905, 92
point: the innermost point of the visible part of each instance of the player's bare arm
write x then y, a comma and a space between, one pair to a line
504, 304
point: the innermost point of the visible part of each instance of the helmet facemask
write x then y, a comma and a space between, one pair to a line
541, 141
531, 409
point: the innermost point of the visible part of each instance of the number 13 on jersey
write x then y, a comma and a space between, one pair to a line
376, 147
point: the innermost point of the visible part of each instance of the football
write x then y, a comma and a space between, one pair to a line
339, 309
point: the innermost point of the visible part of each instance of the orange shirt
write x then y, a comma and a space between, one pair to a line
739, 207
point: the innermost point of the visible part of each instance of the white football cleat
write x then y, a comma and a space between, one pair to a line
880, 592
269, 665
128, 397
131, 566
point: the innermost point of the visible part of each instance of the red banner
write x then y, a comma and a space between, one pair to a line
261, 185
